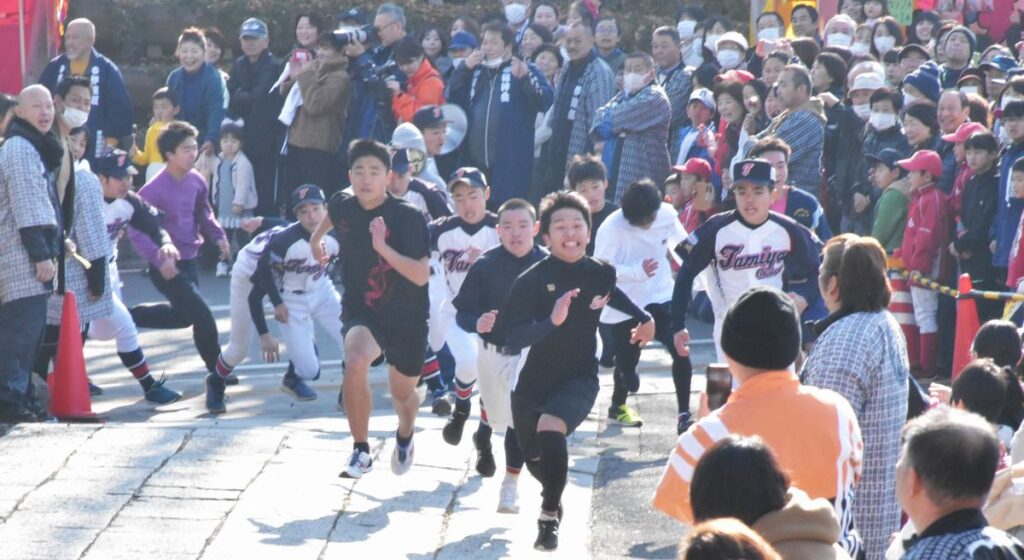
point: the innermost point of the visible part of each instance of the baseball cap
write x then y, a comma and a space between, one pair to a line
923, 160
1000, 62
741, 76
705, 96
964, 131
695, 166
463, 40
468, 175
971, 74
755, 171
887, 157
400, 162
353, 15
429, 116
115, 163
869, 81
253, 27
914, 48
306, 194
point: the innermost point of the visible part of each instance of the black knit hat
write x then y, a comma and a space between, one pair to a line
762, 329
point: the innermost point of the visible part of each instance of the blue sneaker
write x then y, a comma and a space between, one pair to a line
296, 387
215, 394
158, 394
401, 459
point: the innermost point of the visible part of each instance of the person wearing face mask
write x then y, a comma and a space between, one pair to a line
730, 51
463, 44
840, 32
675, 78
110, 120
922, 85
501, 96
631, 131
882, 133
199, 88
886, 35
516, 12
691, 37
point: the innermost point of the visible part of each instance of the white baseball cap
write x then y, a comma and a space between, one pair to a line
705, 96
867, 80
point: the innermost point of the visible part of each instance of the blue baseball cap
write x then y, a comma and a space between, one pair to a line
306, 194
463, 40
353, 15
887, 157
400, 162
1000, 62
428, 116
253, 27
115, 163
468, 175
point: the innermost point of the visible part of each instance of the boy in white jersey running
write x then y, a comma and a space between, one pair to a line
459, 240
745, 247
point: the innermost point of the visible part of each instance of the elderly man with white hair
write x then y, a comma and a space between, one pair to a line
30, 243
110, 120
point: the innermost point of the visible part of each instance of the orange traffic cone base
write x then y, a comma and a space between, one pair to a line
69, 388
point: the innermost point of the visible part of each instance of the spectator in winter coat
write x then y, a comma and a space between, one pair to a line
891, 208
110, 119
958, 46
801, 125
424, 85
1015, 273
971, 243
1008, 208
607, 37
631, 131
199, 88
502, 96
842, 154
953, 109
675, 79
252, 77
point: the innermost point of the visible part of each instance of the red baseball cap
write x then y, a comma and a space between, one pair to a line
695, 166
741, 76
964, 131
923, 160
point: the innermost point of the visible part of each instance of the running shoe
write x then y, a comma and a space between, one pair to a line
231, 379
625, 416
359, 463
442, 405
296, 387
94, 390
452, 431
683, 422
401, 458
158, 394
484, 456
222, 269
215, 394
508, 496
547, 535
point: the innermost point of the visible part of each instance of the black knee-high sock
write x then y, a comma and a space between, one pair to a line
554, 463
513, 456
682, 377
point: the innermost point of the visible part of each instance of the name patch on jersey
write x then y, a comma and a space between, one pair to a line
768, 262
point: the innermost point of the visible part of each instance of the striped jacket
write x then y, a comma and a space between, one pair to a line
593, 89
804, 130
817, 442
863, 357
678, 84
634, 129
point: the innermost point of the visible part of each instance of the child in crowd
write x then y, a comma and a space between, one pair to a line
698, 139
691, 192
78, 140
964, 172
587, 177
891, 208
165, 110
1010, 205
1015, 273
973, 225
981, 388
232, 190
924, 239
1000, 341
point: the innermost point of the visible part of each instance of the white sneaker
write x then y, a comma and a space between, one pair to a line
222, 269
359, 463
509, 496
401, 459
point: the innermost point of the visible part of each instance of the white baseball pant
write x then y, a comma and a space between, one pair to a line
118, 325
321, 306
242, 327
498, 374
462, 344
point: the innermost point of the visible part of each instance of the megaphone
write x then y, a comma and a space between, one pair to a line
457, 127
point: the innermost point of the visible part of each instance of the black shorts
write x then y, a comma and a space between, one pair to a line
570, 400
404, 346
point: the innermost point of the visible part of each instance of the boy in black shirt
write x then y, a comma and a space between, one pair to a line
384, 269
553, 311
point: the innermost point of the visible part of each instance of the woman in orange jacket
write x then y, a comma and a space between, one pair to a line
424, 85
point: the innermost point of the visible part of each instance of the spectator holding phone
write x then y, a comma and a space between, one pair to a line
861, 354
817, 441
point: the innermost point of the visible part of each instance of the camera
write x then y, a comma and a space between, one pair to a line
348, 35
383, 73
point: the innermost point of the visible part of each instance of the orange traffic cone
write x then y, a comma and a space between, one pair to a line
69, 388
967, 325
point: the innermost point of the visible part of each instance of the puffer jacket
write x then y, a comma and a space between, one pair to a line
804, 529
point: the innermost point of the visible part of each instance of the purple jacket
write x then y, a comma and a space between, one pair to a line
184, 210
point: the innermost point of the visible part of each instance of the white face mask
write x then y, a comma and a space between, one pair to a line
969, 89
694, 54
633, 82
882, 121
686, 28
728, 59
75, 118
710, 41
495, 62
884, 44
839, 40
863, 111
515, 13
860, 49
769, 34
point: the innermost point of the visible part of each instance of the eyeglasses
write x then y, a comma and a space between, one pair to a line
382, 28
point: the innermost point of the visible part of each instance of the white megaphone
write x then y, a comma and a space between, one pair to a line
457, 127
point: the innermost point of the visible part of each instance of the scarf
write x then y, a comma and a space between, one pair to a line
50, 148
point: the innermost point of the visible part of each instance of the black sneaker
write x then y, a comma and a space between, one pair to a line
452, 432
231, 380
94, 390
215, 394
484, 456
683, 422
547, 534
441, 404
14, 414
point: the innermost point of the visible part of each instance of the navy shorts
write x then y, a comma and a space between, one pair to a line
571, 400
404, 346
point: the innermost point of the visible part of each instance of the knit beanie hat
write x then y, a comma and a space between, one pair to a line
762, 329
971, 39
926, 80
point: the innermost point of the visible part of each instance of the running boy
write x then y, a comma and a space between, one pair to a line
482, 296
587, 178
923, 242
553, 311
745, 247
385, 252
180, 195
